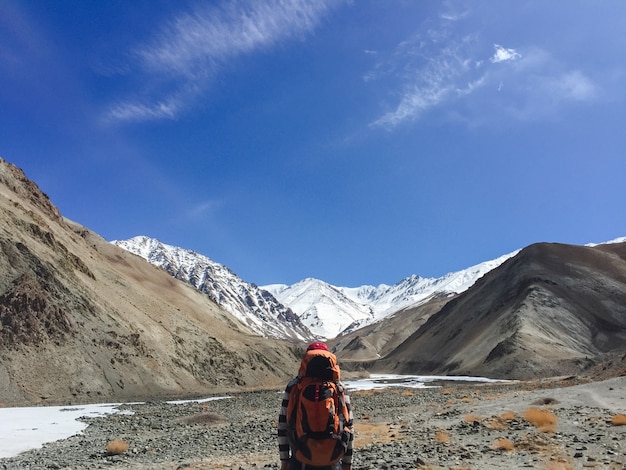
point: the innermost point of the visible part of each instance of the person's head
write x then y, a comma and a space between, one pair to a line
317, 346
319, 362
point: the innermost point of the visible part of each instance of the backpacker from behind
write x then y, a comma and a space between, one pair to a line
317, 416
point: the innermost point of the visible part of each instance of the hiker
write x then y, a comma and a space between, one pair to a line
315, 422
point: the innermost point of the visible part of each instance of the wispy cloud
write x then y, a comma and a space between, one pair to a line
443, 67
187, 52
133, 111
541, 94
503, 54
436, 68
574, 85
203, 209
194, 42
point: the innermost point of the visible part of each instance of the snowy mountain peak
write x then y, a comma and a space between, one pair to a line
324, 308
329, 310
255, 307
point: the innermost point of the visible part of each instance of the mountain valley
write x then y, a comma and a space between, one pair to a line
83, 319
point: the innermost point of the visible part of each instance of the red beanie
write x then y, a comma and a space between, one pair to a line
317, 345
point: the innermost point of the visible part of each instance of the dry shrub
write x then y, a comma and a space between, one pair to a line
497, 424
618, 420
465, 399
117, 447
472, 419
503, 444
446, 391
366, 416
373, 433
407, 393
534, 443
508, 416
500, 423
544, 420
442, 437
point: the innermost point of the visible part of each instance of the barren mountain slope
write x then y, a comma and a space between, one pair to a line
83, 320
380, 338
553, 309
253, 306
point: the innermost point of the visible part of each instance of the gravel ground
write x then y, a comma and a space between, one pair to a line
452, 426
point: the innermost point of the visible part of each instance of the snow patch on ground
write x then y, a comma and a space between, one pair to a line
28, 428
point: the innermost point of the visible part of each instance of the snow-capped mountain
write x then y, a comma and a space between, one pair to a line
321, 310
617, 240
254, 306
326, 310
329, 310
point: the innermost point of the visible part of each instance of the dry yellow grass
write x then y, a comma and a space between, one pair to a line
497, 424
559, 465
618, 420
503, 444
117, 447
373, 433
544, 420
442, 437
508, 416
472, 418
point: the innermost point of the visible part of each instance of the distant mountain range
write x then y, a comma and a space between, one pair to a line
500, 318
310, 308
321, 310
329, 311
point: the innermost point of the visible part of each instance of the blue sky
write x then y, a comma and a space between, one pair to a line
355, 142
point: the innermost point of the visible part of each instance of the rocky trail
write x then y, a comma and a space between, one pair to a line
552, 424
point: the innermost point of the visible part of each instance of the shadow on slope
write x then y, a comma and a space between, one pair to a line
553, 309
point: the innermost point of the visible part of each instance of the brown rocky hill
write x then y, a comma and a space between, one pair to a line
83, 320
553, 309
381, 338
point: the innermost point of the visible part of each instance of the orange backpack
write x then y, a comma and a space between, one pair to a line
318, 418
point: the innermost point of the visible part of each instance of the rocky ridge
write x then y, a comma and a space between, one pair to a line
252, 305
82, 320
